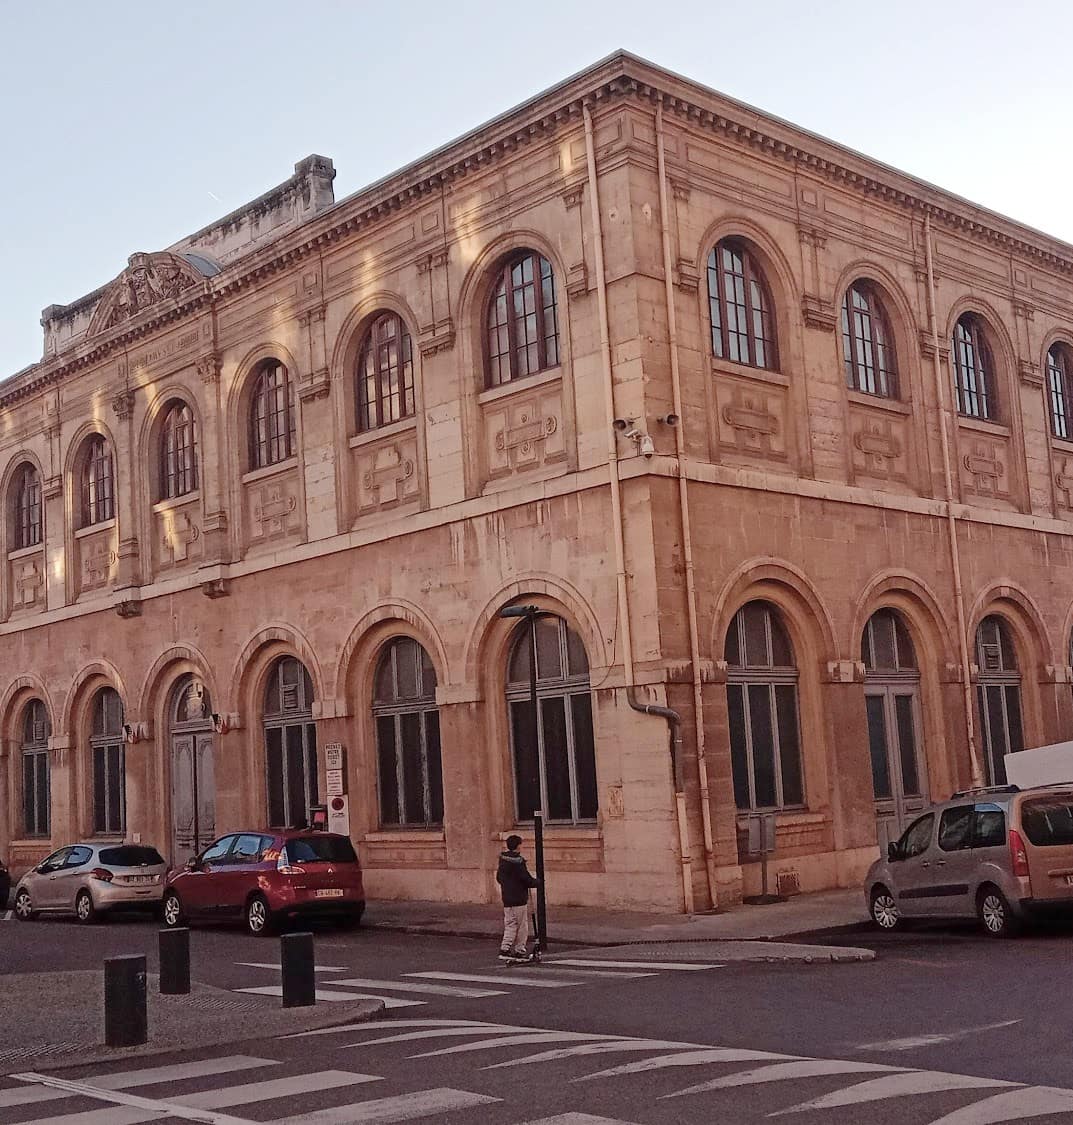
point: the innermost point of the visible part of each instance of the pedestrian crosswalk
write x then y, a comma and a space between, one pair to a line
418, 989
377, 1067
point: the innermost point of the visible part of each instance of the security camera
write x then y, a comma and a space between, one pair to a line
647, 446
622, 423
669, 419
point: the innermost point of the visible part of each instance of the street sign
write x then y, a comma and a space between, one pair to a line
333, 755
339, 815
335, 785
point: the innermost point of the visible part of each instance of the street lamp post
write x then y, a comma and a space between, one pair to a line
530, 613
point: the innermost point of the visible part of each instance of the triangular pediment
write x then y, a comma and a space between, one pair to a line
148, 280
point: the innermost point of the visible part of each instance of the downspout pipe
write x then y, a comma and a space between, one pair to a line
622, 592
683, 509
945, 417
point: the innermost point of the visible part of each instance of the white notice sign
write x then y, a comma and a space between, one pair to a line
333, 755
335, 783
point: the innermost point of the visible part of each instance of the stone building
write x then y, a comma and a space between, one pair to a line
777, 439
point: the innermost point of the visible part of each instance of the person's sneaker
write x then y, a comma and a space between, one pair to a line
519, 957
506, 955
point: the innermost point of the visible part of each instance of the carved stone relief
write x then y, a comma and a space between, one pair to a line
97, 558
28, 582
178, 537
273, 508
524, 433
751, 421
148, 280
984, 468
387, 474
879, 446
1063, 482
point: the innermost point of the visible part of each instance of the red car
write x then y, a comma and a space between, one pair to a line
267, 877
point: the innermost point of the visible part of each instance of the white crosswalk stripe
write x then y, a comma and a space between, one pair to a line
896, 1086
410, 986
404, 1107
670, 966
781, 1072
703, 1057
279, 968
275, 1088
511, 978
577, 1119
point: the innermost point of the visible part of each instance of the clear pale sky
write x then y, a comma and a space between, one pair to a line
125, 126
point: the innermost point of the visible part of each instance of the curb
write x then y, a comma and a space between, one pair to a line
358, 1012
823, 955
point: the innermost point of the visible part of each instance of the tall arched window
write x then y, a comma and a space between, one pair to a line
1059, 371
272, 416
891, 691
765, 745
867, 344
408, 736
558, 773
27, 523
178, 452
974, 368
35, 770
385, 378
998, 695
290, 745
109, 764
522, 320
97, 482
743, 326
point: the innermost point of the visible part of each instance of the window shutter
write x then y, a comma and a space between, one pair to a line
992, 657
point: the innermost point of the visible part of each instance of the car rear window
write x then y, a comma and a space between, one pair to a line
321, 849
1048, 821
130, 855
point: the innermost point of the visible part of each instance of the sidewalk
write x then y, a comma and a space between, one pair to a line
59, 1019
746, 931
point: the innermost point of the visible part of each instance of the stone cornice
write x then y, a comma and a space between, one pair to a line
619, 76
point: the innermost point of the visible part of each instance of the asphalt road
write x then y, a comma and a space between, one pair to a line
912, 1037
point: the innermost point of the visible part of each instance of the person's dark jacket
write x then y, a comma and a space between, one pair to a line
514, 879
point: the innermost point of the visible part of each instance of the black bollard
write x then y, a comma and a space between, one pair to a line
125, 1023
296, 961
175, 962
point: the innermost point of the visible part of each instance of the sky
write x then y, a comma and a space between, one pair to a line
125, 126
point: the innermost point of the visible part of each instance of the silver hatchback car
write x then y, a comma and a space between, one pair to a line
91, 880
1000, 855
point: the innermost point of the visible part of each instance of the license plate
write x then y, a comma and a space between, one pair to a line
143, 878
332, 892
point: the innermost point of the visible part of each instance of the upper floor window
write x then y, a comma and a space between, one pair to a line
97, 482
1059, 370
974, 369
743, 327
523, 320
385, 374
867, 348
27, 526
178, 452
272, 416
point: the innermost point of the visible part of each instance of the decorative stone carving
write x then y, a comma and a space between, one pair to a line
573, 195
436, 339
123, 404
148, 280
811, 236
273, 508
985, 469
1030, 373
878, 452
927, 346
819, 313
1063, 482
208, 367
315, 385
1022, 309
29, 582
387, 474
688, 278
216, 588
524, 433
98, 558
129, 607
577, 280
750, 425
180, 535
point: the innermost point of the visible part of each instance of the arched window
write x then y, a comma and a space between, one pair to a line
178, 452
974, 369
523, 320
1059, 370
891, 690
109, 764
556, 770
35, 769
765, 745
408, 736
27, 523
867, 344
998, 695
97, 482
743, 328
290, 745
272, 417
385, 380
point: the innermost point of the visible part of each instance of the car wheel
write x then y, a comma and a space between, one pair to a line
995, 915
85, 911
258, 918
883, 910
24, 907
172, 910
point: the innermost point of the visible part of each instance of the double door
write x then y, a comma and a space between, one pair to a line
898, 776
193, 794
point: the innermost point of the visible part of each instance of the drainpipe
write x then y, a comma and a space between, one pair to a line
683, 508
945, 416
672, 717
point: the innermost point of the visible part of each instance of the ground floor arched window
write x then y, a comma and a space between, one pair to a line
108, 749
407, 737
555, 757
998, 695
290, 745
765, 744
35, 770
